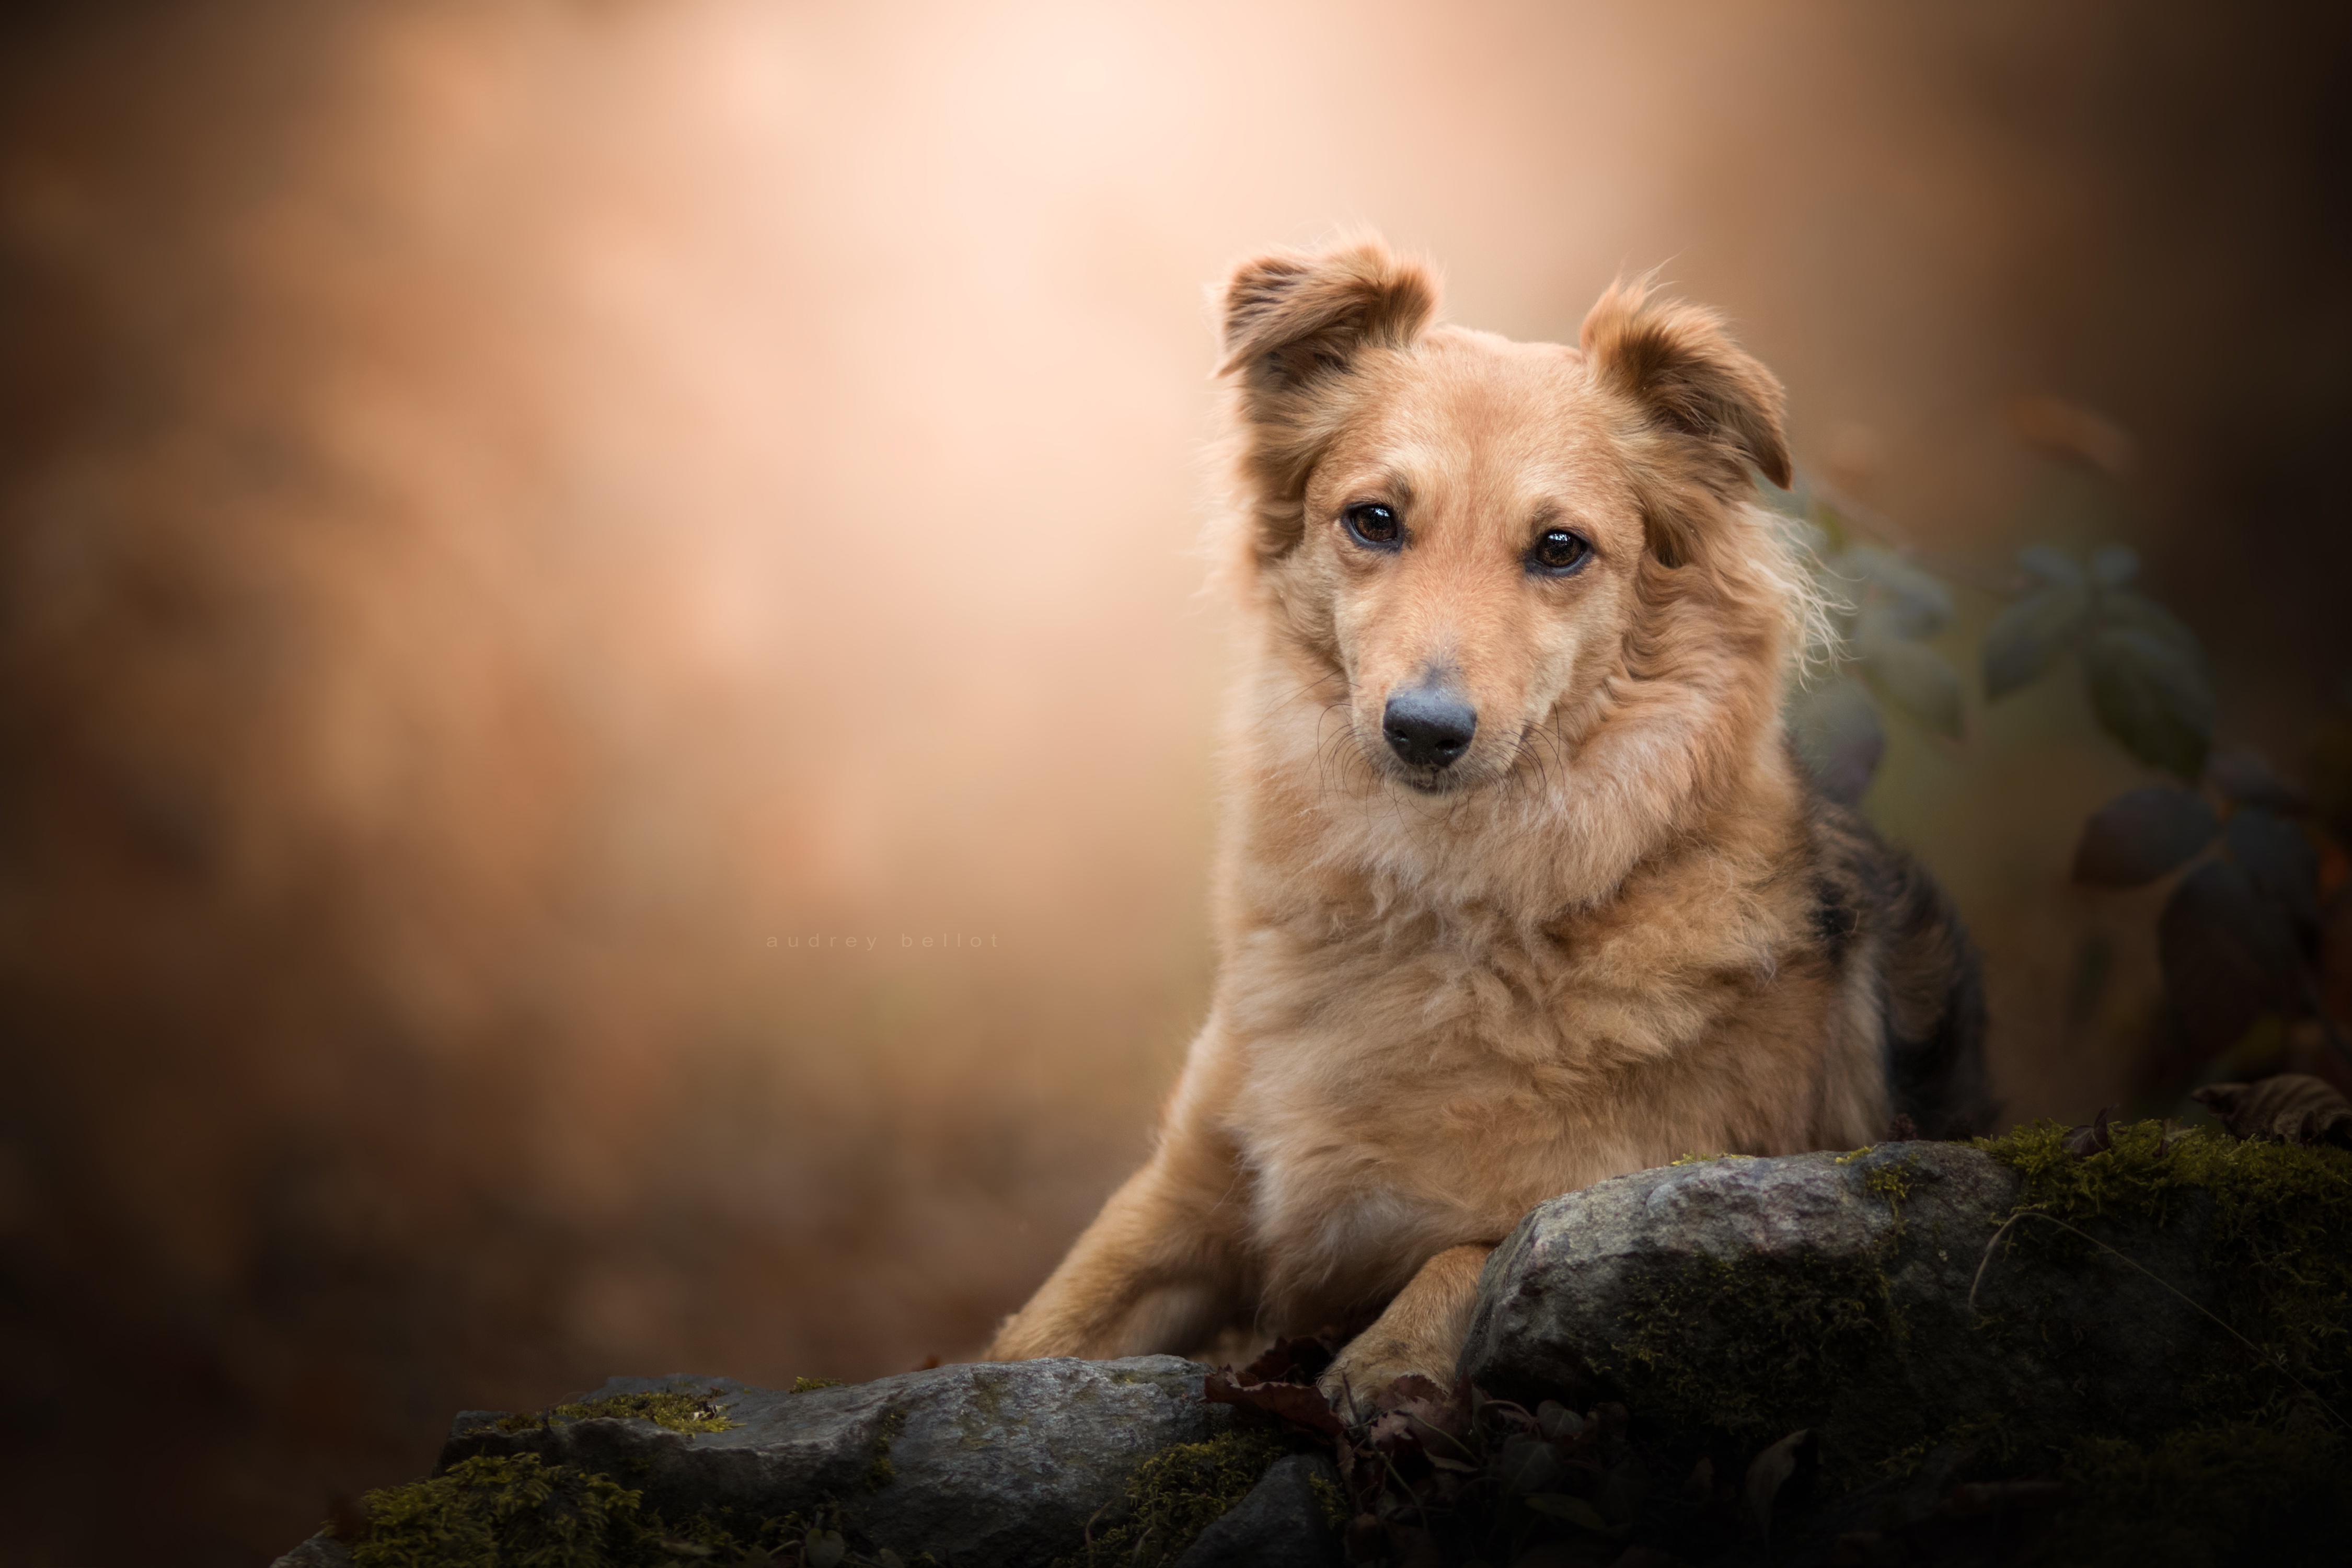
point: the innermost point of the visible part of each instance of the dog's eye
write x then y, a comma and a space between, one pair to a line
1558, 553
1374, 525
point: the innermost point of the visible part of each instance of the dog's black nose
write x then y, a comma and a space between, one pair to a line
1429, 727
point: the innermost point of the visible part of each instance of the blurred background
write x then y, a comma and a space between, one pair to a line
606, 706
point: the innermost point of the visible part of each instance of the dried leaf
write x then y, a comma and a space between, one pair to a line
2093, 1138
2151, 697
2025, 639
1837, 735
2139, 836
2229, 955
1300, 1359
1299, 1403
1767, 1473
2292, 1107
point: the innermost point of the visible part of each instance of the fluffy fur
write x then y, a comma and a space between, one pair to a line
1619, 928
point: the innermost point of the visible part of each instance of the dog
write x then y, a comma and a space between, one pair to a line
1520, 886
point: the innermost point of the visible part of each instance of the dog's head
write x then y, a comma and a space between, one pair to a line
1470, 535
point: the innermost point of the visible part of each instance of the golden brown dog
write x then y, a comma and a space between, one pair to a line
1520, 886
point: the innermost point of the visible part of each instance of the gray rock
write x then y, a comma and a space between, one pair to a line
318, 1551
1755, 1297
1281, 1523
978, 1466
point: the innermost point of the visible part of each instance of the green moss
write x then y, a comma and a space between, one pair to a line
2273, 1245
1179, 1492
678, 1412
519, 1512
1891, 1181
811, 1385
1745, 1346
1328, 1500
881, 1472
514, 1510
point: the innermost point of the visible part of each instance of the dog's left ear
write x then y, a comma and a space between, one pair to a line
1681, 366
1295, 327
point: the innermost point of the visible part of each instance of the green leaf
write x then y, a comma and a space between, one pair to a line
1919, 604
2229, 957
2025, 639
1835, 730
2122, 608
2278, 857
2113, 565
1912, 676
823, 1549
1526, 1465
2053, 566
1574, 1509
2151, 697
2139, 836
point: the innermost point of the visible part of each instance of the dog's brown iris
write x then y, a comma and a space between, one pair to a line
1373, 524
1560, 550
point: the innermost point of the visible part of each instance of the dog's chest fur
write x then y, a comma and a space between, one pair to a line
1421, 1080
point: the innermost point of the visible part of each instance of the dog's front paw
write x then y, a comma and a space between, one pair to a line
1368, 1365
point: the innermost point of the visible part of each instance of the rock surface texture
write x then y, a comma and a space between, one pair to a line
1832, 1292
2090, 1344
984, 1465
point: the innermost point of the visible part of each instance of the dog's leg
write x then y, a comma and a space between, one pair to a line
1160, 1270
1422, 1331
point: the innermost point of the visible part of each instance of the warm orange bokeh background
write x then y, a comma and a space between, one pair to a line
509, 509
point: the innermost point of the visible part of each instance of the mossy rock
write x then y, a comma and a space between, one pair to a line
997, 1464
2133, 1294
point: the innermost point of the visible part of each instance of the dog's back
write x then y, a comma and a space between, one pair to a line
1885, 924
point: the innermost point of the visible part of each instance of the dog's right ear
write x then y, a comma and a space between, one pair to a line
1292, 315
1294, 322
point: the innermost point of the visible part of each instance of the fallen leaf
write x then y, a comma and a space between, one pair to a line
2292, 1108
2095, 1138
1767, 1473
1299, 1403
1300, 1359
1526, 1465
